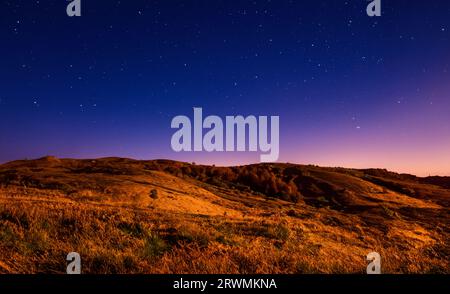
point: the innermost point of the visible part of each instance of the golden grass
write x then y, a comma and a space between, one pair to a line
126, 216
36, 235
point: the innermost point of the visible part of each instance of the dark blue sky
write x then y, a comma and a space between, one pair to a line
350, 90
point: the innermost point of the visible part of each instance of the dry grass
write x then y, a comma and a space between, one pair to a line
117, 226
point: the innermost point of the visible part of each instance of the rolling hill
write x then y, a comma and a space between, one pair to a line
162, 216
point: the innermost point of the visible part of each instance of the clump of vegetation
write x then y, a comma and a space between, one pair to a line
387, 211
132, 229
154, 194
154, 246
280, 232
259, 179
191, 233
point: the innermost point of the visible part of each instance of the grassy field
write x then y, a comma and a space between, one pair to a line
127, 216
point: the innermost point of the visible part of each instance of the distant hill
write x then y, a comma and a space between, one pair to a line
163, 216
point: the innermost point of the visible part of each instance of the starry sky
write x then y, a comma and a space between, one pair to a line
350, 90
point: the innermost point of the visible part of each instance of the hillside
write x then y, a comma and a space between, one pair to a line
161, 216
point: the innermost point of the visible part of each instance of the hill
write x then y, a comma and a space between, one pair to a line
162, 216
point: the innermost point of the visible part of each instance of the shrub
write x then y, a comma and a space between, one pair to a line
281, 232
154, 194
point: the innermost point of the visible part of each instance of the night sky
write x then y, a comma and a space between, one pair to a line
350, 90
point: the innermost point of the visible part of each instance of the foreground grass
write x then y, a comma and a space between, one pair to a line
37, 232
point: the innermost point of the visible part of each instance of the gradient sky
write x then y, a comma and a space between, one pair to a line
350, 90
